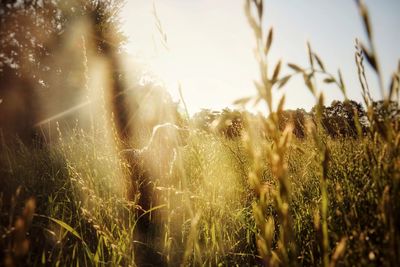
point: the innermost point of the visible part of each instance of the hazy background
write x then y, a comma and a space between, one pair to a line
211, 45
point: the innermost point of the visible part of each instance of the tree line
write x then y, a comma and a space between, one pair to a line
340, 119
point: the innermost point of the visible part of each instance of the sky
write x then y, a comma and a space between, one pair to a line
210, 45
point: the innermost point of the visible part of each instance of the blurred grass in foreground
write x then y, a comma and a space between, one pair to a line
256, 199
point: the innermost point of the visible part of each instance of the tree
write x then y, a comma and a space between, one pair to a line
295, 118
230, 123
386, 110
342, 119
36, 76
23, 30
385, 116
203, 120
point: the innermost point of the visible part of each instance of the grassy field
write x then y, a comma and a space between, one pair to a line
82, 217
262, 198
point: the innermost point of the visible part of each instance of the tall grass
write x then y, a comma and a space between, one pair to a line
275, 241
263, 199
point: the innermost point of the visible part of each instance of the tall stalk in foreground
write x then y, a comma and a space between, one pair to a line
274, 240
384, 131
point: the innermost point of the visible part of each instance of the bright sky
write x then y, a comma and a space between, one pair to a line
211, 45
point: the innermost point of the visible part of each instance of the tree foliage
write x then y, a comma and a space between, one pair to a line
343, 118
228, 123
296, 119
42, 56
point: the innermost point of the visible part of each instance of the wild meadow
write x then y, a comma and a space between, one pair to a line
130, 178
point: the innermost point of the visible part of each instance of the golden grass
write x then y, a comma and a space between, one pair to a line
255, 200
